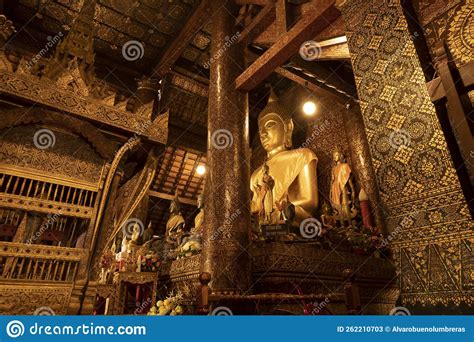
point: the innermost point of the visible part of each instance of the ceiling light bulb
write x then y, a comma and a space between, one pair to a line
201, 169
309, 108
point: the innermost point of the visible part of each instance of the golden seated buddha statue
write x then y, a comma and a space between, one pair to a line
284, 188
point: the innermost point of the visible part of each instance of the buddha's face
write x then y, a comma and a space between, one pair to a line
200, 201
172, 207
272, 131
337, 156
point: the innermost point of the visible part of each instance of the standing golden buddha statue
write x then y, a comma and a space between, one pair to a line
342, 192
289, 174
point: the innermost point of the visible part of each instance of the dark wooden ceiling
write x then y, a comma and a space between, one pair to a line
154, 23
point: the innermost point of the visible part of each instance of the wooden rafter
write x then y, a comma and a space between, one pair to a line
316, 89
197, 20
169, 197
281, 20
313, 22
436, 88
261, 21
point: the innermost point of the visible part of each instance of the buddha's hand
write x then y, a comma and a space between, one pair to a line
281, 204
254, 208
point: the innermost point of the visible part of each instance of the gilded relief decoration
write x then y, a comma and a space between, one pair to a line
450, 21
70, 156
32, 89
25, 300
461, 33
427, 216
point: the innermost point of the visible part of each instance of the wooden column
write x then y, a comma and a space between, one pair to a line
427, 214
362, 161
226, 235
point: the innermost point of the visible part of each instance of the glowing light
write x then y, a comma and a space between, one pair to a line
201, 169
309, 108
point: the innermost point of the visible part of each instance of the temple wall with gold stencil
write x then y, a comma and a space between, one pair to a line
428, 216
450, 21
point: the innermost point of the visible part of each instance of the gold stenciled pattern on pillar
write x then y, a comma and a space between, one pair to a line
417, 181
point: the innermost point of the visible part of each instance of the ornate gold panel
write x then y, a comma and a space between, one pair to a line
426, 211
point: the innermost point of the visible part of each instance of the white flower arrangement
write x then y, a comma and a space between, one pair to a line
189, 248
171, 306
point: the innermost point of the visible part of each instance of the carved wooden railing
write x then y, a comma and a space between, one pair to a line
20, 261
27, 193
351, 298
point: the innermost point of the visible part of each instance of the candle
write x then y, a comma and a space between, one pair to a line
365, 208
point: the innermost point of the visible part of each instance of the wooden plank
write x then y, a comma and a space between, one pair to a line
171, 197
313, 22
281, 20
436, 88
320, 91
198, 19
261, 21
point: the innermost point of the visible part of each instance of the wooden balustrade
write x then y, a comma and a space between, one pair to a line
20, 261
25, 187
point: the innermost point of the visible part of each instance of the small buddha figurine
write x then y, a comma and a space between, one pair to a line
132, 243
293, 171
267, 193
199, 219
175, 224
342, 193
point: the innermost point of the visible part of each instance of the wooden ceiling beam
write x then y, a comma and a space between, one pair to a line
316, 89
436, 88
261, 21
252, 2
169, 197
316, 19
197, 20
